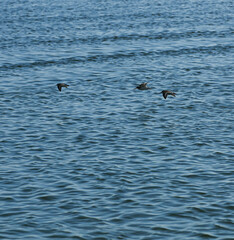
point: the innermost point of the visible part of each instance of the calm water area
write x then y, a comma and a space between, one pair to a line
102, 160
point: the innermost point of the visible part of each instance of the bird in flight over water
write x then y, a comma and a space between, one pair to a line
165, 93
60, 85
143, 86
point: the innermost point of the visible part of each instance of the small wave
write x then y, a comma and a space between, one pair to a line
97, 39
217, 49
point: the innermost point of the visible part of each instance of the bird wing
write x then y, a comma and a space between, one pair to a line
171, 93
59, 87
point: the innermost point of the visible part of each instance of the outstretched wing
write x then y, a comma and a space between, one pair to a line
59, 87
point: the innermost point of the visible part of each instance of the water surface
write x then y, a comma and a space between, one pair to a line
102, 160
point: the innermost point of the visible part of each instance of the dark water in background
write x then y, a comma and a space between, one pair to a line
100, 160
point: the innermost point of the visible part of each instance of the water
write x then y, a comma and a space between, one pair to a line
101, 160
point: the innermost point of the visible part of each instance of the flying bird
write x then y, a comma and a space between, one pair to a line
60, 85
165, 93
143, 86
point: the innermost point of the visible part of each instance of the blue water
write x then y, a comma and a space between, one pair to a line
100, 159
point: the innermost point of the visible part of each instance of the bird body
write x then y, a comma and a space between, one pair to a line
60, 85
165, 93
143, 86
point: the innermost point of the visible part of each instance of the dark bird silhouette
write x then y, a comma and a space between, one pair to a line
60, 85
165, 93
143, 86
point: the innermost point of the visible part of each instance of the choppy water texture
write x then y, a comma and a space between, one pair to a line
102, 160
